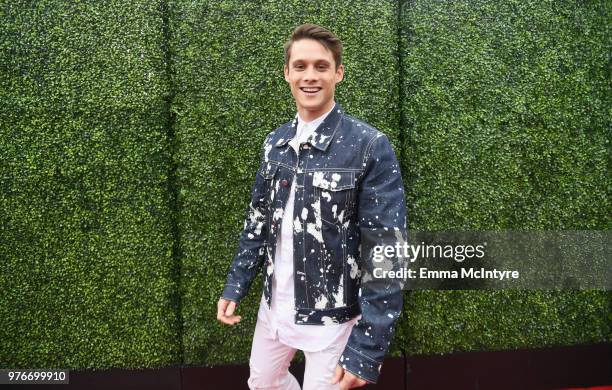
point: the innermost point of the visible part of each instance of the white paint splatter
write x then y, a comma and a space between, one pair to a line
297, 225
256, 218
315, 228
326, 195
267, 149
354, 268
318, 180
321, 302
339, 295
278, 214
329, 321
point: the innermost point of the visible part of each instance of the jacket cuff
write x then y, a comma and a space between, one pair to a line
231, 292
360, 365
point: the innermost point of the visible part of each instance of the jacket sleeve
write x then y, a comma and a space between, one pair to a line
382, 221
249, 256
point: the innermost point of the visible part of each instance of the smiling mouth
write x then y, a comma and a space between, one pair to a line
310, 90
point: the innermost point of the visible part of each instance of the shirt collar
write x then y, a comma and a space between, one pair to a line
324, 132
313, 124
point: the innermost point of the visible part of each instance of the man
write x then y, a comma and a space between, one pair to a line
327, 183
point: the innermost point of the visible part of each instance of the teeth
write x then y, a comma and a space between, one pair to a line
310, 89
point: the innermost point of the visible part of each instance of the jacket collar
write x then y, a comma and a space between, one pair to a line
324, 133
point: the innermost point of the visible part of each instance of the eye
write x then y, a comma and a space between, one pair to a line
298, 66
322, 67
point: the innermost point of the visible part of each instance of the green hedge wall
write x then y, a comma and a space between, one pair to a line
87, 275
507, 116
131, 130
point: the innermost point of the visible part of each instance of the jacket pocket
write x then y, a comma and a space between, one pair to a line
335, 190
269, 170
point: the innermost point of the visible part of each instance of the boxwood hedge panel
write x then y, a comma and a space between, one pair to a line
87, 273
230, 94
506, 116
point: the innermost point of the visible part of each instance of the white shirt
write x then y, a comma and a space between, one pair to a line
281, 316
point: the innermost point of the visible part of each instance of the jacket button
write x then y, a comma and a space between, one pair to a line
284, 182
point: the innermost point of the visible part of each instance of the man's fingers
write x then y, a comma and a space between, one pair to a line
221, 305
350, 381
345, 383
337, 374
347, 380
230, 309
225, 311
230, 320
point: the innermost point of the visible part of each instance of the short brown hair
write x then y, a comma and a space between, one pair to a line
319, 34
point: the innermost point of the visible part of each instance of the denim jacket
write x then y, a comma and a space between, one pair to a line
348, 185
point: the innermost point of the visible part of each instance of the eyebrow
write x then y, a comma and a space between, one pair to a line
321, 61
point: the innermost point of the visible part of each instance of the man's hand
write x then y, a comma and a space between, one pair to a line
225, 312
347, 379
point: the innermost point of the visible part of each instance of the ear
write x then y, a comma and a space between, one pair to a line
286, 71
340, 73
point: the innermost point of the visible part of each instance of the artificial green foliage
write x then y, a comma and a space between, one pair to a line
130, 134
87, 274
506, 110
438, 322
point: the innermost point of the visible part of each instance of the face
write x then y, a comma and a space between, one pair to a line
312, 76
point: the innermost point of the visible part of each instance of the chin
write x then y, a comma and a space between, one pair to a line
318, 103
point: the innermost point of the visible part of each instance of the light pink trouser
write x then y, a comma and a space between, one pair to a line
270, 360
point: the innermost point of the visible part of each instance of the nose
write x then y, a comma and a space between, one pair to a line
309, 73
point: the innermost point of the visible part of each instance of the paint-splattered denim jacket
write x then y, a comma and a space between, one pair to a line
348, 185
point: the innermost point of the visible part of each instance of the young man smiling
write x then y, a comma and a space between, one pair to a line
327, 183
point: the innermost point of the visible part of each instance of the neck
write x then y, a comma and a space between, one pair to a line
310, 115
